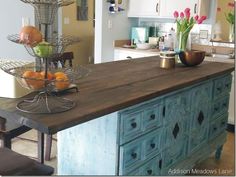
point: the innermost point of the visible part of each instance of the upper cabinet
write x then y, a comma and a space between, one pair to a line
166, 8
144, 8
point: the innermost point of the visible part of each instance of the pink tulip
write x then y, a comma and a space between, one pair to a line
176, 14
181, 15
187, 10
187, 13
199, 21
231, 4
196, 18
203, 18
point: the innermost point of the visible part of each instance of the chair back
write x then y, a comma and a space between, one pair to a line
65, 59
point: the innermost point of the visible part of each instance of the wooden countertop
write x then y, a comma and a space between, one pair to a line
114, 86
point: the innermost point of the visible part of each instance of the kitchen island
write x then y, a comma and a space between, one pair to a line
134, 118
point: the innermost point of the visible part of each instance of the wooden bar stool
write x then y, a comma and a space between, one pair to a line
12, 164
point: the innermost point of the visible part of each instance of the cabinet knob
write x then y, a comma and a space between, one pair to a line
224, 104
160, 164
223, 123
149, 171
134, 155
153, 116
195, 8
134, 125
216, 108
153, 145
219, 89
214, 128
227, 85
157, 7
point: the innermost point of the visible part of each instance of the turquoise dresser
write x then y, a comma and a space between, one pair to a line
167, 135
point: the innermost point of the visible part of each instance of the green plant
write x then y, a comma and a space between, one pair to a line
230, 17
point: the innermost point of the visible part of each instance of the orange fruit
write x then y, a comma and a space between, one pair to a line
38, 83
62, 82
50, 76
59, 74
34, 80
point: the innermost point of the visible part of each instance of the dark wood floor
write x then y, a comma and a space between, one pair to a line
223, 167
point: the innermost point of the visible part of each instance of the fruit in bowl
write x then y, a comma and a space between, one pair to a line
33, 80
61, 81
30, 35
43, 49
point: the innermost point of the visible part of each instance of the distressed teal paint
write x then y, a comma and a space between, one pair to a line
175, 130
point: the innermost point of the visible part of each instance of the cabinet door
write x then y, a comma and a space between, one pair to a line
144, 8
169, 6
200, 7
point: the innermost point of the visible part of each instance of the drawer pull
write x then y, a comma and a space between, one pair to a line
176, 130
223, 123
164, 111
219, 89
134, 125
152, 117
160, 164
134, 155
129, 57
149, 171
216, 109
200, 118
224, 104
153, 145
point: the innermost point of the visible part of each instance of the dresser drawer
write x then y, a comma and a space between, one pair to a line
201, 93
150, 168
200, 116
152, 117
175, 132
220, 106
175, 152
131, 125
197, 138
218, 126
176, 106
139, 121
137, 152
222, 85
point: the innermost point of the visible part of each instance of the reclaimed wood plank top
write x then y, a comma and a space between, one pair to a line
114, 86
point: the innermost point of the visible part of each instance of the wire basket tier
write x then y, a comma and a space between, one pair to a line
50, 49
50, 80
47, 9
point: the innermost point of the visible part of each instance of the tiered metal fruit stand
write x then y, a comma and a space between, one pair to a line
47, 99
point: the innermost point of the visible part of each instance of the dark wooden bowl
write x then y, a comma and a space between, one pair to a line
192, 57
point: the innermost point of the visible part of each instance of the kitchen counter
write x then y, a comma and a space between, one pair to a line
147, 51
134, 118
113, 86
145, 120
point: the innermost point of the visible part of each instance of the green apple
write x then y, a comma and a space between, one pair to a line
43, 49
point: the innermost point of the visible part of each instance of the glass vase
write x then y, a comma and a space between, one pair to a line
182, 41
231, 33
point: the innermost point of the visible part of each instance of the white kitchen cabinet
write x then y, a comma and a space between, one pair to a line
166, 8
120, 54
144, 8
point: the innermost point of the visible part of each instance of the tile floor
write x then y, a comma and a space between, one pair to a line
224, 167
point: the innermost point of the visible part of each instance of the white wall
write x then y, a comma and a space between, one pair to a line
11, 13
104, 36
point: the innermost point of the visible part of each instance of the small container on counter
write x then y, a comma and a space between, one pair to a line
167, 59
